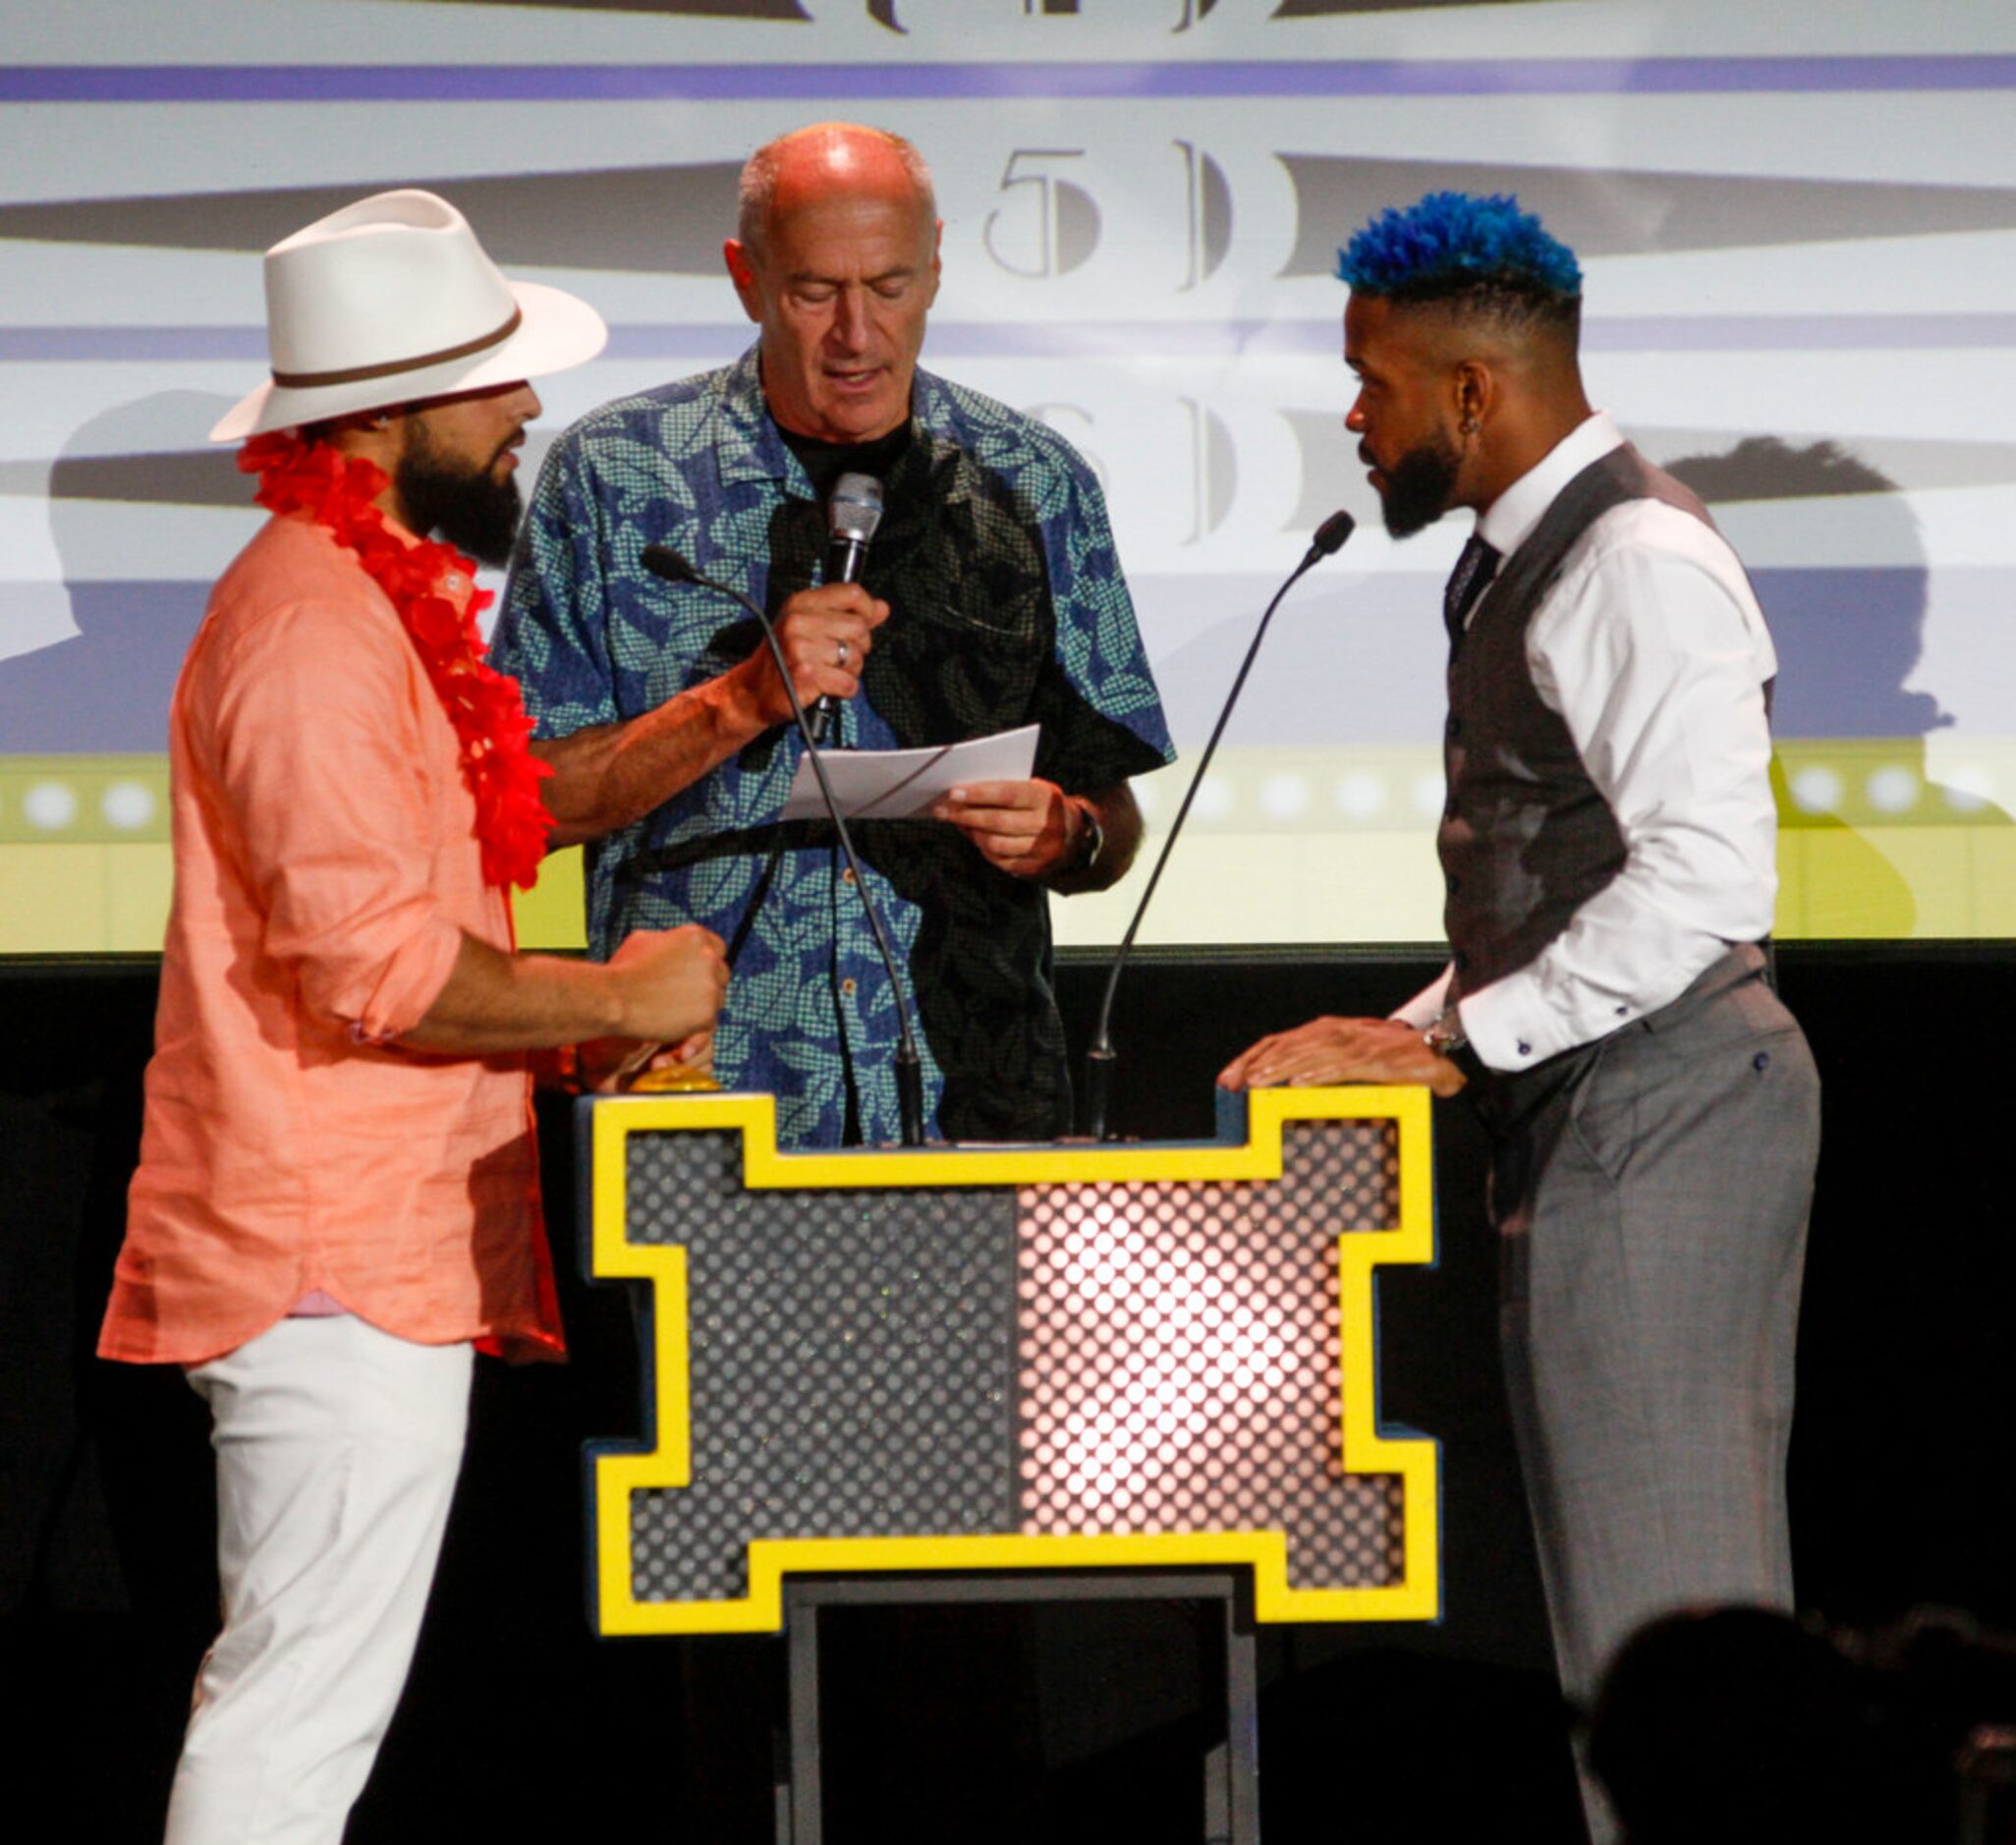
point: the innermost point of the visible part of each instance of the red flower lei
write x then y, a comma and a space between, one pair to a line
433, 586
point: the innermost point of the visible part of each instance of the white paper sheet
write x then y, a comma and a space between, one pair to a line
902, 784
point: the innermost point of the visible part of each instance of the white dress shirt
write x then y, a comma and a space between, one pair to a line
1652, 650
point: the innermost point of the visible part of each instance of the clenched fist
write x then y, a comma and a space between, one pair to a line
671, 982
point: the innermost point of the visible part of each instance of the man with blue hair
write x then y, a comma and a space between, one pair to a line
1609, 852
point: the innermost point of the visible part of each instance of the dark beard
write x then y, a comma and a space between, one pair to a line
468, 507
1420, 489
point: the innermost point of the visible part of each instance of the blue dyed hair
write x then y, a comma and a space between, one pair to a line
1481, 255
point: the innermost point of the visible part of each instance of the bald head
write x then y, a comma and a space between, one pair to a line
815, 165
838, 265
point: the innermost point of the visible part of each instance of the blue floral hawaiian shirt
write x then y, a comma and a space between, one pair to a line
1007, 607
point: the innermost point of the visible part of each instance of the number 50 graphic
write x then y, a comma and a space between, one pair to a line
1049, 227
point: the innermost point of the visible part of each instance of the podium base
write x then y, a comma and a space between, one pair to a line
1229, 1763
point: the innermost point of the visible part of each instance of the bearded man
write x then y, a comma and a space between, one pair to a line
337, 1198
992, 598
1608, 855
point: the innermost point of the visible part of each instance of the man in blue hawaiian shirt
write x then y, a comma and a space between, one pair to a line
992, 598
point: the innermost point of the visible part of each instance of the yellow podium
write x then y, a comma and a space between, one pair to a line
1125, 1357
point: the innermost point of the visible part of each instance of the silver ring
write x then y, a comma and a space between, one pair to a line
840, 659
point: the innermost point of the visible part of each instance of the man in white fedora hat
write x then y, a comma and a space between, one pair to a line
337, 1200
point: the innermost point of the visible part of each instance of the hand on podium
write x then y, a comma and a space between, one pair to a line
620, 1066
1342, 1050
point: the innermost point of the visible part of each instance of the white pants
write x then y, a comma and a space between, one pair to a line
337, 1452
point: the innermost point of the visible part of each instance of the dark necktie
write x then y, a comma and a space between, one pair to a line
1472, 576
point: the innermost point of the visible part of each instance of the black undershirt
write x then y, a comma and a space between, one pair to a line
825, 462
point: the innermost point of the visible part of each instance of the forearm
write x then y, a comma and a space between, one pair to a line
1119, 820
608, 775
1624, 955
495, 1001
1698, 874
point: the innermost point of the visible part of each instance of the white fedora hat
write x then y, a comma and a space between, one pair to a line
392, 299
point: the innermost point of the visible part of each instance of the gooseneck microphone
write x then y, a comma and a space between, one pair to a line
854, 509
1100, 1060
663, 561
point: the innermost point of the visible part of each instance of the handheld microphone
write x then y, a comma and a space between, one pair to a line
663, 561
1100, 1060
854, 509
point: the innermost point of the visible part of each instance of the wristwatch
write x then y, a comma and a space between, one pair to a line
1092, 838
1446, 1038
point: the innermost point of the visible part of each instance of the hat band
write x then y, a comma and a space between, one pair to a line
358, 375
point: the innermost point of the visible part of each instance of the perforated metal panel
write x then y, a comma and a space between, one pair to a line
1053, 1360
1179, 1363
852, 1363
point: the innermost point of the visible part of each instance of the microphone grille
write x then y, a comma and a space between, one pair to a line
854, 508
1331, 533
662, 560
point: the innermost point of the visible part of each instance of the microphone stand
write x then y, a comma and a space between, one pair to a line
663, 561
1101, 1057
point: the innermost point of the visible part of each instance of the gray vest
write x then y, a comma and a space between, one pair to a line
1525, 839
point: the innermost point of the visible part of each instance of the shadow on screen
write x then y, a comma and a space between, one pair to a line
1848, 637
102, 688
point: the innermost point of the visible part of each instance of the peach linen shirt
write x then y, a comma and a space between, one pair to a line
325, 871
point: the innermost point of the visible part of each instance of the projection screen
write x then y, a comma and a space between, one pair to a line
1798, 225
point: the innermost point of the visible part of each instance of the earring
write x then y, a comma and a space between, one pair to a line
1468, 425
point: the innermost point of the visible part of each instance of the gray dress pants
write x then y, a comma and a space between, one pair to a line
1651, 1193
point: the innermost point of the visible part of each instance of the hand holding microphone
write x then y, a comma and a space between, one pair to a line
826, 634
854, 510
